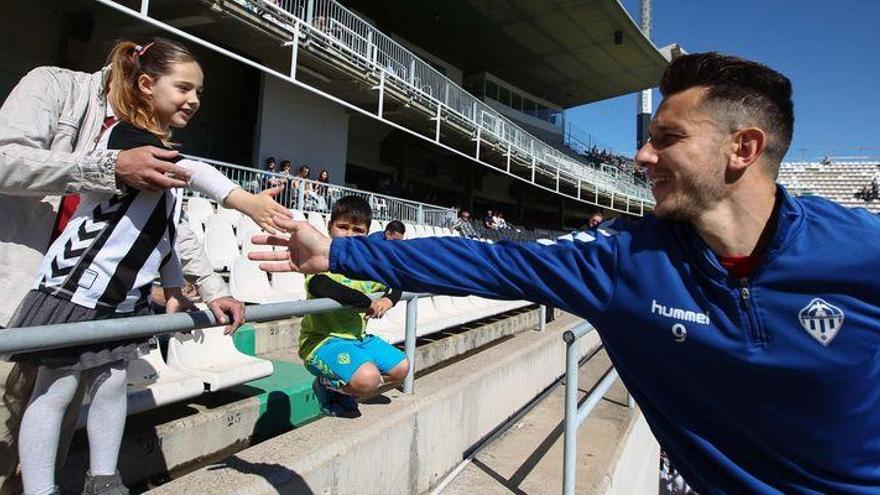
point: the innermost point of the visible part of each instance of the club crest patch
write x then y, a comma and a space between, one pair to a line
821, 320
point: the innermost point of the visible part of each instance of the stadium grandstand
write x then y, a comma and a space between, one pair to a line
852, 181
425, 109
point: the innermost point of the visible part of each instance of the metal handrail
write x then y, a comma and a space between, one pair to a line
574, 415
329, 19
44, 337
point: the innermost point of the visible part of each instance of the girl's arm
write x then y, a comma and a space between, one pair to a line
212, 183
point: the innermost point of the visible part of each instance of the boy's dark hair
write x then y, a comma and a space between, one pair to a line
742, 92
353, 208
396, 226
270, 159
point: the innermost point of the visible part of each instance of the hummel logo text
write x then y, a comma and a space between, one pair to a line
678, 314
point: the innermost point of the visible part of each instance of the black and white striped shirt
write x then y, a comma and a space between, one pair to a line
114, 246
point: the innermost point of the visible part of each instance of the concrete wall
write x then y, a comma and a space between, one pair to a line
419, 438
638, 467
298, 126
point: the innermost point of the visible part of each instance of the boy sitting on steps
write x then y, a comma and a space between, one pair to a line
347, 362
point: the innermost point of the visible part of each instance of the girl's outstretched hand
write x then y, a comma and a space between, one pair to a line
262, 207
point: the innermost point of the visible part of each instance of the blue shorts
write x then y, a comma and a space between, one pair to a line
336, 360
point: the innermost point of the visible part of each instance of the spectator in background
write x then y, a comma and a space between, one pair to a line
500, 222
324, 178
269, 180
296, 182
464, 226
489, 220
285, 169
451, 216
304, 172
395, 231
595, 220
875, 188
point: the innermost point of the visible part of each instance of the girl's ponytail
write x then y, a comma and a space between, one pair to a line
128, 61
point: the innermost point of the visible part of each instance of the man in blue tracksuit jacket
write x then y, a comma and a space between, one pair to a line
745, 322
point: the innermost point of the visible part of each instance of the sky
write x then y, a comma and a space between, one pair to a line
829, 49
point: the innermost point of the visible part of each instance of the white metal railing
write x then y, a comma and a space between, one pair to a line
344, 29
574, 415
44, 337
311, 195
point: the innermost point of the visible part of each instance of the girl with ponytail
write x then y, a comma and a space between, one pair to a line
103, 264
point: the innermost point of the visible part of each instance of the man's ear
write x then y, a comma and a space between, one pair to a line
748, 146
145, 84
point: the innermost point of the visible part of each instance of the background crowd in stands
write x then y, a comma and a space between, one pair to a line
870, 192
319, 193
624, 164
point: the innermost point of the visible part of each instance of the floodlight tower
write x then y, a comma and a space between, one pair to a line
643, 118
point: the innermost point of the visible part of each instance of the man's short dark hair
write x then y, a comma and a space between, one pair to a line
462, 212
355, 209
746, 92
396, 226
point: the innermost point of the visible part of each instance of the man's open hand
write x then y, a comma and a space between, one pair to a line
308, 251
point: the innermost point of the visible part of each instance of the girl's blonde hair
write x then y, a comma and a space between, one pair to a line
128, 61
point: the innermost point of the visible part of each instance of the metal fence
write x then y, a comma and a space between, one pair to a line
574, 415
344, 29
44, 337
310, 195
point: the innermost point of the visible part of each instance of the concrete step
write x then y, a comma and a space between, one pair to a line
528, 458
400, 444
173, 440
180, 437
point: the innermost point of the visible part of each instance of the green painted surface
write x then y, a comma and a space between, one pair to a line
245, 340
286, 399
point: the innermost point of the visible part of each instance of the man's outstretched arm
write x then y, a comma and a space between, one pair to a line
576, 276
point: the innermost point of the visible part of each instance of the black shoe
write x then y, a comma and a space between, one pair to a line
104, 485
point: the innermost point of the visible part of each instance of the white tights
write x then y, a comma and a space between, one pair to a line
41, 424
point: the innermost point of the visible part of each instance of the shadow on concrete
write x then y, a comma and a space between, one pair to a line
276, 419
281, 478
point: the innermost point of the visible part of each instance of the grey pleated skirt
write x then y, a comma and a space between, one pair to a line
41, 308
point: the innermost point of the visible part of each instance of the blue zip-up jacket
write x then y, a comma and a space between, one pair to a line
768, 385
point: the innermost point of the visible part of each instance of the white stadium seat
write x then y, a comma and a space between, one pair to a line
250, 284
317, 221
289, 284
232, 215
198, 210
221, 245
212, 356
246, 228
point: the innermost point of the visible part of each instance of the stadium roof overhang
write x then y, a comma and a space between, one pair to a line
569, 52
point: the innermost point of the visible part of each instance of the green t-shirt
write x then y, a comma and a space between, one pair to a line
348, 323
